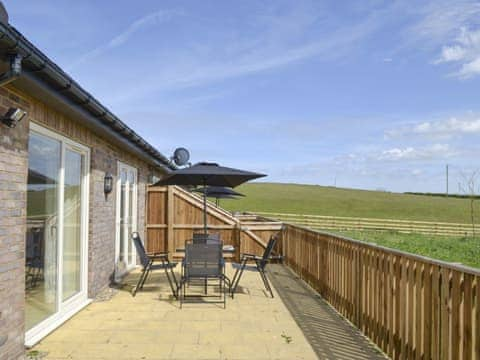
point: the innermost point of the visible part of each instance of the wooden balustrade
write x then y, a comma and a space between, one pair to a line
412, 307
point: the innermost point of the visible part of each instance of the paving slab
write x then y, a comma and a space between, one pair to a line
151, 325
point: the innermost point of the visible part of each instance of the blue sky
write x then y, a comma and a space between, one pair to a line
374, 94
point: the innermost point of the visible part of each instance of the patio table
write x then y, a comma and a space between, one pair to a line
228, 252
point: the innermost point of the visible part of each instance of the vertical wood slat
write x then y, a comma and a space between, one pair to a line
477, 318
410, 327
403, 308
467, 351
445, 315
436, 322
418, 310
170, 220
455, 316
428, 309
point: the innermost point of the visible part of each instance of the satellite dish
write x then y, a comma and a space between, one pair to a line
181, 156
3, 14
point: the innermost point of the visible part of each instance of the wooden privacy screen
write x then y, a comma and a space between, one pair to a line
173, 215
411, 307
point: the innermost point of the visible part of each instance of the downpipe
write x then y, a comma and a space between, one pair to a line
14, 72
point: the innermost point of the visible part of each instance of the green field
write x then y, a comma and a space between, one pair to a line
451, 249
321, 200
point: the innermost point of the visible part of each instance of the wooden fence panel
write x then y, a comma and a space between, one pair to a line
174, 215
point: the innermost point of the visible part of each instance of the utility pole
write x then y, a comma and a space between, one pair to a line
447, 179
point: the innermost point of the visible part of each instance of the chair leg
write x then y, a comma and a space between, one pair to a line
147, 272
265, 281
166, 265
222, 279
237, 276
139, 282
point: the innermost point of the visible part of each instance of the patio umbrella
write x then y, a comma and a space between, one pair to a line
210, 174
219, 192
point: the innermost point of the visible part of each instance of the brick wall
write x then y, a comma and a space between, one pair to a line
13, 175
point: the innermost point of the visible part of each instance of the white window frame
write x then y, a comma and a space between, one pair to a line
121, 165
66, 309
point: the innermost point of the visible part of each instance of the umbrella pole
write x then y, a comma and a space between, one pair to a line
205, 205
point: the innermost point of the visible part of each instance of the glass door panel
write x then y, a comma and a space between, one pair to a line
56, 235
42, 220
72, 217
126, 217
131, 214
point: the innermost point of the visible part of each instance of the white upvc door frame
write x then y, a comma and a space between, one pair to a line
66, 309
133, 220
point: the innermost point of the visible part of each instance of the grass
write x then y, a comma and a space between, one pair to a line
451, 249
322, 200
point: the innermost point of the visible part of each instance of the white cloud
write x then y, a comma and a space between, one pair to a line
465, 51
451, 30
441, 20
266, 43
433, 152
154, 18
438, 129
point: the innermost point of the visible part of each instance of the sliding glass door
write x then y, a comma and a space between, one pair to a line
56, 238
126, 218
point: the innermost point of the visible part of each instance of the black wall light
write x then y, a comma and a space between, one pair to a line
13, 116
108, 183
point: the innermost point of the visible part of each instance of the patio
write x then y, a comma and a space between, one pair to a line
152, 326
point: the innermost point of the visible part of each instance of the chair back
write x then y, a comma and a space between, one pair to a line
200, 238
214, 238
144, 259
268, 250
203, 260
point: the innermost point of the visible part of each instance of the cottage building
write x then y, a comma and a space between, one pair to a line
73, 181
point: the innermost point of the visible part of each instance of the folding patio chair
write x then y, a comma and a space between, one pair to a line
203, 261
260, 264
147, 261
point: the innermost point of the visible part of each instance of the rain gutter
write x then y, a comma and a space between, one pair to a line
43, 79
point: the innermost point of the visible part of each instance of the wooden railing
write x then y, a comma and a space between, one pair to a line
351, 223
410, 306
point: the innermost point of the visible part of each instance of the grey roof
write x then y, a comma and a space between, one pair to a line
44, 79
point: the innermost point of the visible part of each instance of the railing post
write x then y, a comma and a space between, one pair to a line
237, 236
170, 221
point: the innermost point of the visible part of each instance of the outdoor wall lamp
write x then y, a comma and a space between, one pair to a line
108, 183
13, 116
